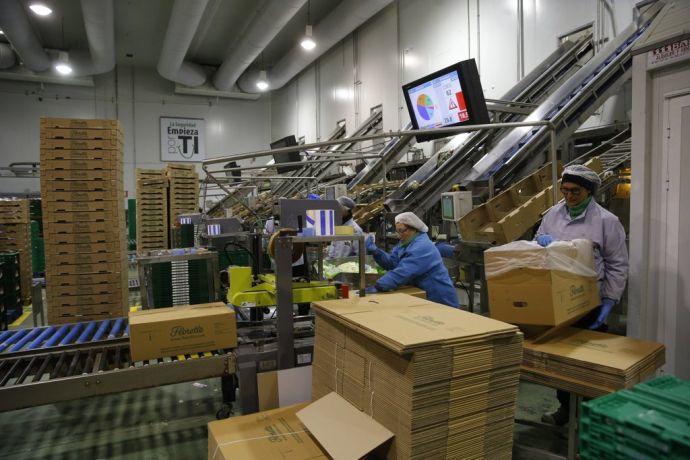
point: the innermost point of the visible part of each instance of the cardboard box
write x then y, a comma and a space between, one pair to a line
443, 380
181, 330
284, 387
271, 434
322, 221
532, 285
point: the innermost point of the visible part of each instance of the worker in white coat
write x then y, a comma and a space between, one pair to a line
338, 249
580, 216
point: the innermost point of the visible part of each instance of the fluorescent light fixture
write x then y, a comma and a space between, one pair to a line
62, 64
262, 82
308, 42
40, 9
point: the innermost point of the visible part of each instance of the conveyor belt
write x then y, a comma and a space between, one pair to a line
55, 337
33, 378
423, 189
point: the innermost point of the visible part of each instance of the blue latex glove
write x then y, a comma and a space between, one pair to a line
544, 240
370, 244
606, 307
371, 290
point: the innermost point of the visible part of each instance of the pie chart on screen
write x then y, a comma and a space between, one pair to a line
425, 107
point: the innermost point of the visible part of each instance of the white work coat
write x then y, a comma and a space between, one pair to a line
606, 232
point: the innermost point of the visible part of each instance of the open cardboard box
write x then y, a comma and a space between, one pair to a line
327, 428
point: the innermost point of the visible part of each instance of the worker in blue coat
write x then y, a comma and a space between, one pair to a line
415, 260
580, 216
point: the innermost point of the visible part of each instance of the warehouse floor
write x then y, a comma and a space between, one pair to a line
170, 423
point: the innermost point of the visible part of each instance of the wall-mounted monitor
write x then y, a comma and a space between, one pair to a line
452, 96
291, 157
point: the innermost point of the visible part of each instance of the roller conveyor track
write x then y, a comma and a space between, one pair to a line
33, 378
61, 336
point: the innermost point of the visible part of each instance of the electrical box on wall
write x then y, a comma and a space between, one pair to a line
332, 192
454, 205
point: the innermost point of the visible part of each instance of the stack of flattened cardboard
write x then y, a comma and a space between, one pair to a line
591, 363
444, 381
152, 209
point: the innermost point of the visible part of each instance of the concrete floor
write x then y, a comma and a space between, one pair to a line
170, 423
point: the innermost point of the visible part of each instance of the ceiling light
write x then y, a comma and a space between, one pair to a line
262, 82
308, 42
1, 32
62, 64
40, 9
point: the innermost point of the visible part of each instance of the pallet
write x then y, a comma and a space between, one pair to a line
78, 165
105, 228
112, 237
81, 134
108, 207
81, 155
77, 196
62, 301
108, 279
113, 216
79, 123
82, 175
81, 144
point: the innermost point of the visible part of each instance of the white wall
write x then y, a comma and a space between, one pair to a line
411, 38
137, 97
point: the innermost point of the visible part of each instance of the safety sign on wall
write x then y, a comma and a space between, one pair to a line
183, 139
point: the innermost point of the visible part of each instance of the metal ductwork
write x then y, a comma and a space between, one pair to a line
7, 58
343, 20
15, 24
99, 23
270, 20
183, 23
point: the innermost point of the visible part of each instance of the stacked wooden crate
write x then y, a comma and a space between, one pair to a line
15, 235
152, 209
183, 194
84, 219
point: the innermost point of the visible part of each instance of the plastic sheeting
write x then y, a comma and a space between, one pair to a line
575, 256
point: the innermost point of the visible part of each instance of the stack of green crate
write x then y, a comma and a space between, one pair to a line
132, 223
36, 213
38, 255
190, 289
649, 421
11, 285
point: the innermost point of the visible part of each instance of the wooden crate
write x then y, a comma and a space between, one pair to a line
79, 123
81, 134
81, 155
77, 196
81, 144
91, 164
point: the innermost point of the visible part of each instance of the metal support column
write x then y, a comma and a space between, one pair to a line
554, 162
286, 343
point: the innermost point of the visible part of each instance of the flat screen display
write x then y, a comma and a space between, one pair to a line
291, 157
452, 96
439, 102
447, 209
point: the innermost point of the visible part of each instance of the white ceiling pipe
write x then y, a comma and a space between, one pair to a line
268, 23
342, 21
7, 58
99, 23
15, 24
183, 23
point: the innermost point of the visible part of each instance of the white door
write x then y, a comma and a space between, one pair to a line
674, 280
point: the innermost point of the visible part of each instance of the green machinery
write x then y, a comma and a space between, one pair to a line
243, 293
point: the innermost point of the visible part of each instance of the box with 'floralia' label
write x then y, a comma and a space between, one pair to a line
164, 332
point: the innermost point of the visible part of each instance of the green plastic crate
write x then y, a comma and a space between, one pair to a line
669, 389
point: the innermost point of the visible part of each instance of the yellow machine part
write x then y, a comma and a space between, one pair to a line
264, 294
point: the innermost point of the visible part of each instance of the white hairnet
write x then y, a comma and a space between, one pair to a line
346, 202
411, 220
581, 175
